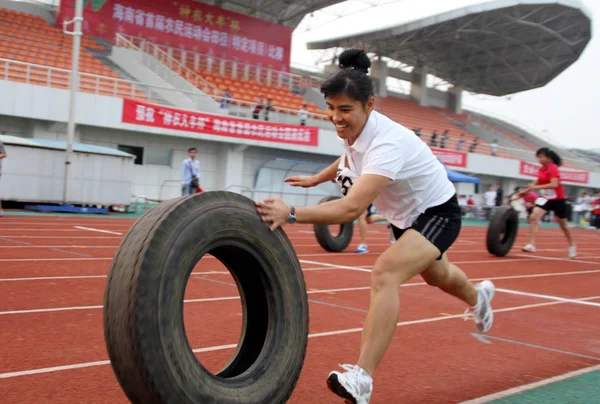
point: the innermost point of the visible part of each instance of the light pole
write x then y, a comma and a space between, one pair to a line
74, 85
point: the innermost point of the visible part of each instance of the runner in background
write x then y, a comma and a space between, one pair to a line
368, 217
552, 198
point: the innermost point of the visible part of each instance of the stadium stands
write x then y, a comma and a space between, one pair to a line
44, 53
35, 52
245, 82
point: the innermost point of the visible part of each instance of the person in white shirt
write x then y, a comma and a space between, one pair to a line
303, 115
385, 164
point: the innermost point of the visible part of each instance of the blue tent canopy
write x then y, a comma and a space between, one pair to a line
455, 176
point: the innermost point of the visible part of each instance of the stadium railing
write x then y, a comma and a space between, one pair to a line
29, 73
225, 67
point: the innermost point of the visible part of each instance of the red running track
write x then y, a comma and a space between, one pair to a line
52, 277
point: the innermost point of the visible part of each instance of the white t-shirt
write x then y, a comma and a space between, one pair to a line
490, 198
386, 148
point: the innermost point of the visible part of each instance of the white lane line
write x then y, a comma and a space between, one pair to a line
526, 387
548, 297
98, 230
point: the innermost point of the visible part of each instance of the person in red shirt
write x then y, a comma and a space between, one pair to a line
596, 211
552, 198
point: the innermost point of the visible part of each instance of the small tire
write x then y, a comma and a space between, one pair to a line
327, 240
502, 231
143, 304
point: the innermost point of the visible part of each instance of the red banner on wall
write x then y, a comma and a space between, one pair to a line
189, 25
141, 113
451, 158
576, 176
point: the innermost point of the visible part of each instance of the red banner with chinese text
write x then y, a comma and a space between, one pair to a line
451, 158
576, 176
141, 113
188, 25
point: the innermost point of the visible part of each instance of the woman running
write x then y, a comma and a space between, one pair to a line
552, 198
387, 165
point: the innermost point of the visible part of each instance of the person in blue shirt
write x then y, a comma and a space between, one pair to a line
190, 173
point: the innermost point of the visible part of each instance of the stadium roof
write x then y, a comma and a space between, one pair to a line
284, 12
498, 47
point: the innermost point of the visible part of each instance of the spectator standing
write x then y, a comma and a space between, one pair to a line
474, 145
499, 194
190, 173
268, 107
444, 138
2, 157
260, 104
303, 115
224, 104
494, 148
460, 142
490, 201
433, 139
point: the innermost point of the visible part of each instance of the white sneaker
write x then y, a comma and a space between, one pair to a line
354, 386
362, 249
529, 248
572, 251
482, 312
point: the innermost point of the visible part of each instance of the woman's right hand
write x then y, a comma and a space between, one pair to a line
304, 181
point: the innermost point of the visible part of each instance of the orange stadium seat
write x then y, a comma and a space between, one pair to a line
31, 39
413, 116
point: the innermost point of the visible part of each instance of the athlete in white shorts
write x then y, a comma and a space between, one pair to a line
397, 172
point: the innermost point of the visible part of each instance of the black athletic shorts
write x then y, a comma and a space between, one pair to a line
558, 206
439, 224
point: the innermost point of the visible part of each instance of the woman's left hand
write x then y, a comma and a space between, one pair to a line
274, 211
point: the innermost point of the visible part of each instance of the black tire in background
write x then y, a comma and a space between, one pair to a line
143, 304
330, 242
502, 230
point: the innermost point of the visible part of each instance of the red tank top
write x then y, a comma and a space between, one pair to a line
545, 176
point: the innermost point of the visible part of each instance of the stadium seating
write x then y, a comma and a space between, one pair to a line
414, 116
32, 40
40, 53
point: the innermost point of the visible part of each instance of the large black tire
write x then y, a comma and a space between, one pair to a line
502, 231
143, 304
327, 240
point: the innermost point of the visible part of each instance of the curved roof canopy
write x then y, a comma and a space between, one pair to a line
284, 12
498, 47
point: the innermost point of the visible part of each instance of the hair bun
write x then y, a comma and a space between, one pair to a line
355, 59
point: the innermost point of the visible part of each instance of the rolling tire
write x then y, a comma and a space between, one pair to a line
328, 241
143, 304
502, 231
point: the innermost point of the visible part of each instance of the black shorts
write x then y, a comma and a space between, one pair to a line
370, 210
439, 224
558, 206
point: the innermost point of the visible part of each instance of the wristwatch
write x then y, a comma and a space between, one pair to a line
292, 216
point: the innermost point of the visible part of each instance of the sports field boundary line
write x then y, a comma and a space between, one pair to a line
531, 386
8, 375
547, 297
98, 230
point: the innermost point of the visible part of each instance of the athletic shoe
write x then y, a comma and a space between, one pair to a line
572, 251
482, 312
529, 248
362, 249
355, 385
